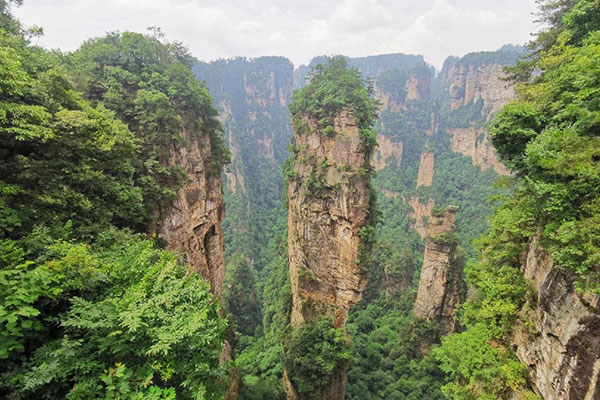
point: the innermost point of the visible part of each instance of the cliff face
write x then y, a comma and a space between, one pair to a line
476, 143
438, 295
562, 347
192, 225
426, 169
477, 84
470, 82
324, 222
420, 212
387, 148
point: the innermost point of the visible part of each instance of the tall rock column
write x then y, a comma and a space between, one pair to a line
192, 225
330, 221
440, 283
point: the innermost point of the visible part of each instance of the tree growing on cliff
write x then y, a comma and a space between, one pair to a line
315, 347
549, 138
89, 310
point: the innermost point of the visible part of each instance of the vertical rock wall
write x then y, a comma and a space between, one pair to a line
561, 345
468, 83
328, 204
324, 223
438, 295
192, 225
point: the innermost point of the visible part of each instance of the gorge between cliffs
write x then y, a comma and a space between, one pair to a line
357, 228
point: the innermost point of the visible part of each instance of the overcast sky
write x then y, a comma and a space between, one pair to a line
297, 29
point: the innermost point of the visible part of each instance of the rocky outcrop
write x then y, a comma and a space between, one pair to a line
476, 143
477, 81
426, 169
416, 87
438, 296
471, 82
328, 203
192, 225
387, 148
421, 213
560, 344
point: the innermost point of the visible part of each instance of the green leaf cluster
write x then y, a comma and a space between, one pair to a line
122, 320
149, 85
549, 138
313, 353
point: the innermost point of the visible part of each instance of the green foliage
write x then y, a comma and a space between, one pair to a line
464, 116
124, 320
478, 368
63, 159
261, 368
386, 362
512, 129
549, 137
335, 86
313, 353
22, 284
88, 311
448, 239
149, 85
557, 154
240, 297
259, 359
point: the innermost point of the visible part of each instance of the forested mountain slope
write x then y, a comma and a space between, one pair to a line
536, 279
93, 149
392, 231
433, 151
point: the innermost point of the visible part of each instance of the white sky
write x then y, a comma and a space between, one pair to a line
297, 29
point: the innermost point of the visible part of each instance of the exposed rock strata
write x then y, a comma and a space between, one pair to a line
323, 227
562, 347
420, 213
416, 88
386, 149
328, 204
476, 143
426, 169
470, 82
192, 225
440, 283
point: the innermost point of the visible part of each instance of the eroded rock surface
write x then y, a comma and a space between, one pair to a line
476, 143
470, 83
426, 169
440, 283
387, 148
562, 346
192, 225
324, 220
421, 213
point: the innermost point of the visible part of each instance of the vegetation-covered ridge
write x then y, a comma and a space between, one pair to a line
335, 86
549, 139
89, 309
335, 109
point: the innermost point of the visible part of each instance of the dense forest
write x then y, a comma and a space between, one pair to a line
92, 306
476, 184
